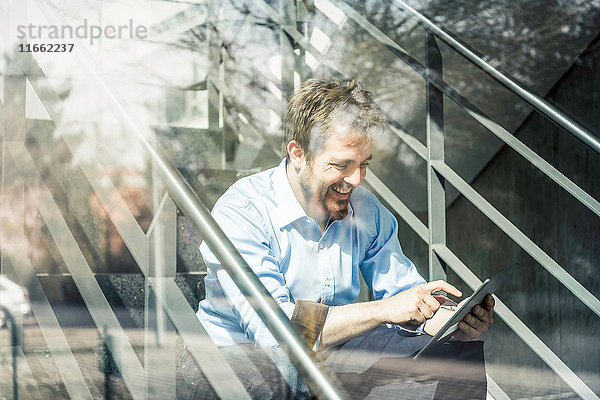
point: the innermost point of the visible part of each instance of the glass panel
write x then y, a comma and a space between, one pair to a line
106, 268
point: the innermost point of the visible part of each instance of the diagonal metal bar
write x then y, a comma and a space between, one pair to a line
537, 102
107, 193
207, 355
522, 149
271, 12
519, 237
495, 390
410, 140
111, 200
367, 26
475, 113
530, 338
84, 279
243, 276
302, 41
51, 331
397, 204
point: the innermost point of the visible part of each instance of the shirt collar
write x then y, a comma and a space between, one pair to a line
288, 207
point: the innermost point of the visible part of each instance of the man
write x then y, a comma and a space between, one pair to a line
307, 228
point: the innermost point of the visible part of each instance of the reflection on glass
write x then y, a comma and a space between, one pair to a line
206, 84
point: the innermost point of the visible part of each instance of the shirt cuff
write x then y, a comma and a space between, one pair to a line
412, 328
310, 317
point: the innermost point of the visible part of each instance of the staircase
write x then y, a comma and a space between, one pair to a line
111, 154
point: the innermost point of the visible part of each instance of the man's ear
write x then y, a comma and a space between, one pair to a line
296, 154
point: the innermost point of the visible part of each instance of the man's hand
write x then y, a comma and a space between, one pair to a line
415, 305
477, 321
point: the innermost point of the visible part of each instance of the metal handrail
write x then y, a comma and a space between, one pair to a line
199, 216
545, 108
244, 278
249, 284
588, 299
576, 288
542, 106
587, 200
551, 172
517, 326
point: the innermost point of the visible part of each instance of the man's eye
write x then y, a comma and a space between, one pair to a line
339, 166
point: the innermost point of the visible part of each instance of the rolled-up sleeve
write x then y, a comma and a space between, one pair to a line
244, 226
310, 318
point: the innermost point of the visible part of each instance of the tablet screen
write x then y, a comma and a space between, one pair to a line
489, 286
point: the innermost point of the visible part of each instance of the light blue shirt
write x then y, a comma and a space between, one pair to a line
293, 259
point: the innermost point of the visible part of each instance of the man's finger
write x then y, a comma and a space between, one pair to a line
482, 314
468, 330
419, 318
475, 323
479, 312
425, 310
431, 302
441, 285
489, 302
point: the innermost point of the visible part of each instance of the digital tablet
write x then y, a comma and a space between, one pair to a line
489, 286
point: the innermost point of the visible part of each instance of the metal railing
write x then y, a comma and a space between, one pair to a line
438, 172
434, 234
545, 108
320, 384
241, 274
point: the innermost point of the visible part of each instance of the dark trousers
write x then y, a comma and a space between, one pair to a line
376, 365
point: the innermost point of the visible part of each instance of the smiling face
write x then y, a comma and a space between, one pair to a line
326, 181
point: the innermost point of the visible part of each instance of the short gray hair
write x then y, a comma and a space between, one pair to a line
319, 103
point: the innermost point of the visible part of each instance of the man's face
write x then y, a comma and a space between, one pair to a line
328, 179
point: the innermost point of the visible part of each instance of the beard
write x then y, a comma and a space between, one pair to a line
318, 193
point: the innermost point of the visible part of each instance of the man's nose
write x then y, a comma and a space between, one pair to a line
354, 178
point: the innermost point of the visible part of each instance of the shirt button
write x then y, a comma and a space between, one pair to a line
320, 246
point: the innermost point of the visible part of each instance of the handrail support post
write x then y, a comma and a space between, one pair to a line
436, 192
